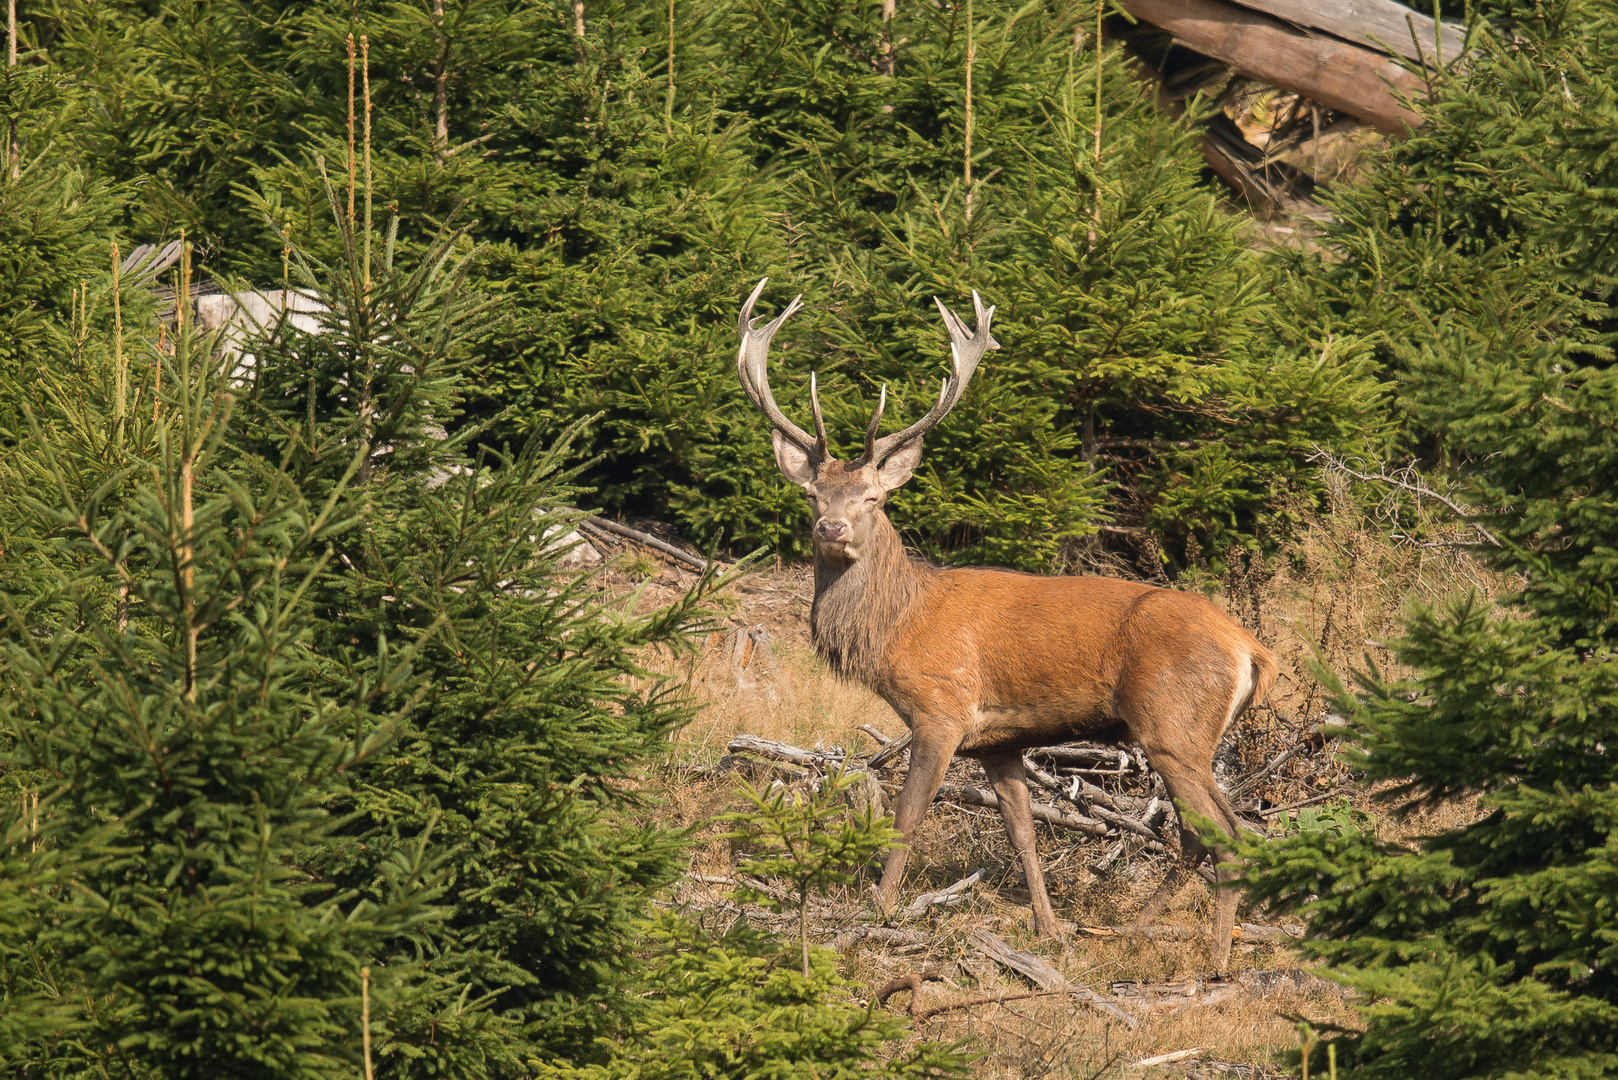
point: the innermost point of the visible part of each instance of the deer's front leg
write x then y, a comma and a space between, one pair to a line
930, 755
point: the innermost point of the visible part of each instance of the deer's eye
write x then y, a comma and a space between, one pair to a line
873, 500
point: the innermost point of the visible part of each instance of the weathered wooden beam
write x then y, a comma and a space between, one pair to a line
1358, 81
1375, 24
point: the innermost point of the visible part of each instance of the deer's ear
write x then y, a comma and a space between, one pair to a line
793, 462
900, 465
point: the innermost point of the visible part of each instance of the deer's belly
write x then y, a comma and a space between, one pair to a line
1009, 727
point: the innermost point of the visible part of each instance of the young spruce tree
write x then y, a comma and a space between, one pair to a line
1489, 949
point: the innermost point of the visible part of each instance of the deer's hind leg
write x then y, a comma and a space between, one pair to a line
1009, 779
1197, 790
1180, 730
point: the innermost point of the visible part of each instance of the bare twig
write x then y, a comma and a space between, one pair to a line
998, 999
1250, 782
1419, 490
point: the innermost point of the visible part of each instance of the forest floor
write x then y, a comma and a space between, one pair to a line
1334, 595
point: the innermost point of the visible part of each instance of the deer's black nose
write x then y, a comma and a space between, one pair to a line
831, 530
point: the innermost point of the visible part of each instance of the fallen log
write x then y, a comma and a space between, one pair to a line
1244, 932
1361, 82
1373, 24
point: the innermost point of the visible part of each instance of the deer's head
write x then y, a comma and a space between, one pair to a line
846, 497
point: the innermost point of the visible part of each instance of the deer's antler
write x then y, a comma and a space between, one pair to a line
752, 359
966, 351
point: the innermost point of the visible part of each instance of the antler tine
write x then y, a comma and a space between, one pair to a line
752, 359
821, 443
966, 351
876, 423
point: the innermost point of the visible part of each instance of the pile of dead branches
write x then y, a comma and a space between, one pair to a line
1106, 798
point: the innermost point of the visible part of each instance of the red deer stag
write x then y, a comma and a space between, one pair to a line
989, 663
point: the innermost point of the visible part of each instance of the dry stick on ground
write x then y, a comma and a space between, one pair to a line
918, 907
1045, 812
1247, 932
911, 982
1322, 797
1045, 976
1084, 755
876, 935
1164, 1059
646, 539
891, 751
780, 751
881, 739
1249, 783
999, 999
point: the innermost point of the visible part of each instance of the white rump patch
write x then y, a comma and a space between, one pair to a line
1244, 690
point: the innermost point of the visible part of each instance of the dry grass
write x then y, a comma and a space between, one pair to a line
1335, 595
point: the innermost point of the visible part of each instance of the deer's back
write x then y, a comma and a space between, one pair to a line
1039, 657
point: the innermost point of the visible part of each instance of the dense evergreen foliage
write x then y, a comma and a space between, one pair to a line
296, 689
307, 730
633, 183
1488, 950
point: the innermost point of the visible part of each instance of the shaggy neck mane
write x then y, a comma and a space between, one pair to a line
860, 605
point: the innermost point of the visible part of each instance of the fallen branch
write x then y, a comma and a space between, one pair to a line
1123, 821
604, 525
876, 935
1272, 811
1164, 1059
1201, 992
780, 751
1083, 755
928, 1014
1403, 485
1244, 932
881, 739
891, 751
1043, 778
1045, 976
912, 982
973, 796
952, 895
